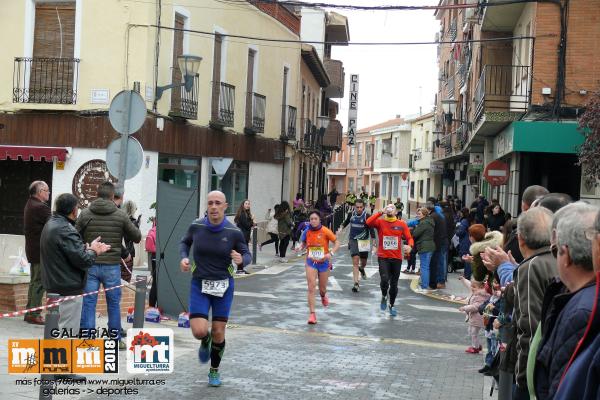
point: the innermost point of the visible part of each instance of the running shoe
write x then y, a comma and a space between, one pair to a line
204, 351
393, 311
362, 273
214, 379
383, 305
472, 350
355, 288
325, 300
283, 259
241, 272
312, 318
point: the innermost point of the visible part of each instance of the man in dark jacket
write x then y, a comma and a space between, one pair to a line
568, 302
582, 379
530, 280
439, 260
36, 214
333, 195
103, 218
66, 259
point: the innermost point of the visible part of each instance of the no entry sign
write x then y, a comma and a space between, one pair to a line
496, 173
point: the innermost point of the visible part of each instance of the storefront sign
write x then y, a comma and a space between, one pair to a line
497, 173
352, 109
476, 161
436, 167
86, 181
503, 143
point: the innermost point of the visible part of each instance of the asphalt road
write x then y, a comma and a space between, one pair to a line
354, 352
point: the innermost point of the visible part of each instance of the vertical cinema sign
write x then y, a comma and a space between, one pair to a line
352, 109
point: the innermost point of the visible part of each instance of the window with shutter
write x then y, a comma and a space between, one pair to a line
52, 66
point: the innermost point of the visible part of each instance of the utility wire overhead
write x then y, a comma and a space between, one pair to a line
263, 39
477, 4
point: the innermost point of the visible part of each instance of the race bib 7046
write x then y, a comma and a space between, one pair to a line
390, 242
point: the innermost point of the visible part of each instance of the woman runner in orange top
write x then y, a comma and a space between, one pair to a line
316, 239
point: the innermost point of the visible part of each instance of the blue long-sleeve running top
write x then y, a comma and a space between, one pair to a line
212, 245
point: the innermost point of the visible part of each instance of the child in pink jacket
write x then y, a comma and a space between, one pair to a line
475, 320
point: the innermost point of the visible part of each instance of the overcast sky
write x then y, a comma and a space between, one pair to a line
393, 79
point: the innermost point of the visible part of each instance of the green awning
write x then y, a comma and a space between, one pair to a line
538, 137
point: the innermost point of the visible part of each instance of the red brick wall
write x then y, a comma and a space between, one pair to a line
13, 297
281, 14
583, 50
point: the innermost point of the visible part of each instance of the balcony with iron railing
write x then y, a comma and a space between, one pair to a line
462, 74
45, 80
288, 123
504, 90
255, 113
417, 154
308, 139
223, 108
450, 87
184, 104
452, 30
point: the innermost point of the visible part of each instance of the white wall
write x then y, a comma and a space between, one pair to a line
264, 187
312, 28
141, 189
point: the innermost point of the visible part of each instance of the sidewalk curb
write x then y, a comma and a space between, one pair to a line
414, 285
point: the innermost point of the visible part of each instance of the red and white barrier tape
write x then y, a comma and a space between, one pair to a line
62, 299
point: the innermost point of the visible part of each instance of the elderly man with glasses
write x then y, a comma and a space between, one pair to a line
530, 280
568, 301
581, 376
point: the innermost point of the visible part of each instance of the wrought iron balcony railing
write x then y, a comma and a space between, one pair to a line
450, 88
288, 128
418, 154
309, 133
503, 88
255, 113
184, 104
45, 80
223, 108
452, 30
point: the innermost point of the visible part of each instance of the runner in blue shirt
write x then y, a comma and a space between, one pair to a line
219, 248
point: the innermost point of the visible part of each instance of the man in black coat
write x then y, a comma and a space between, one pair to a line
439, 259
66, 258
35, 215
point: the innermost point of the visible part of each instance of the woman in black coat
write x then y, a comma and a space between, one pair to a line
496, 220
244, 220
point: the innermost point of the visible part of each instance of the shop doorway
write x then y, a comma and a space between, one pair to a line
15, 177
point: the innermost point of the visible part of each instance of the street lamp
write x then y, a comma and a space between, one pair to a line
189, 66
323, 123
449, 107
